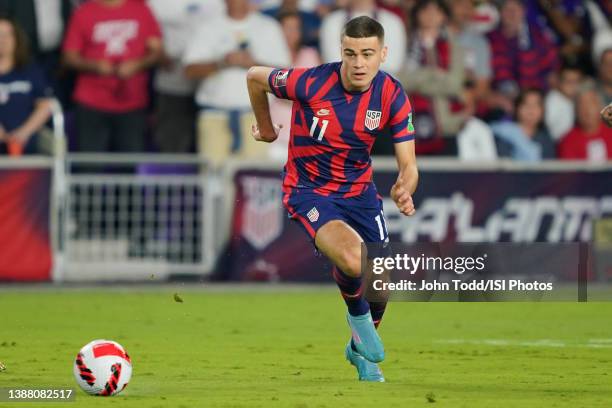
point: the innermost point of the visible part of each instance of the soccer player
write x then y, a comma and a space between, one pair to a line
606, 115
338, 111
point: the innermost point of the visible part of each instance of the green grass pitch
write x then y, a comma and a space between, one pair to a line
284, 348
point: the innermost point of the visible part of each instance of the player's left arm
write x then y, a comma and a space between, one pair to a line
407, 179
259, 87
402, 131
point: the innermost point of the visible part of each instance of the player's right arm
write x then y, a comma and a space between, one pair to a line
259, 87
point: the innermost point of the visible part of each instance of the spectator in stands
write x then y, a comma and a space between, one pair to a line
218, 56
112, 44
43, 22
175, 110
523, 57
434, 77
599, 12
401, 8
301, 56
476, 49
526, 138
605, 75
590, 139
25, 98
395, 33
567, 22
559, 107
310, 21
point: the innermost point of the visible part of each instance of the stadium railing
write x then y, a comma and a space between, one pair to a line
137, 217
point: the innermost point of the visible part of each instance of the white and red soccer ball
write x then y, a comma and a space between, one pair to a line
102, 367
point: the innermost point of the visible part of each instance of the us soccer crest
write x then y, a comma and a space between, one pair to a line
281, 78
262, 214
372, 119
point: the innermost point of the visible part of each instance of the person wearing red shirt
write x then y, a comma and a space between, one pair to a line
112, 44
590, 139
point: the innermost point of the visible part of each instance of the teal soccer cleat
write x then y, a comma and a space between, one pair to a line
367, 371
365, 337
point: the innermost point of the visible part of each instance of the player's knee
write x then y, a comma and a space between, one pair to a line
351, 262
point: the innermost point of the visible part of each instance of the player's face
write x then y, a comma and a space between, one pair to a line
361, 59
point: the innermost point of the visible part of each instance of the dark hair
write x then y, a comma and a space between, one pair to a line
287, 14
363, 27
21, 55
421, 4
523, 95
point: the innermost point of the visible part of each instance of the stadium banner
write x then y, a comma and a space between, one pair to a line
25, 241
523, 204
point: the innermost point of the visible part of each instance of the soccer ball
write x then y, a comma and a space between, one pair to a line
102, 367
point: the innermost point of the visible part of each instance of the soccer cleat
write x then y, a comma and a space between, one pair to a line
365, 337
367, 370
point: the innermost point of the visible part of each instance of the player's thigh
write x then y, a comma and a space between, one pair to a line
369, 222
342, 245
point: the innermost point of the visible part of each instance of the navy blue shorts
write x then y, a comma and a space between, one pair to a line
364, 213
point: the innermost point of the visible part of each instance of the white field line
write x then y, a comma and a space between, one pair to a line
591, 343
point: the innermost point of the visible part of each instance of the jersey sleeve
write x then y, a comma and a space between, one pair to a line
400, 122
289, 83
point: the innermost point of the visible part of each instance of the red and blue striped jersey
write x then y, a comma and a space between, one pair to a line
333, 130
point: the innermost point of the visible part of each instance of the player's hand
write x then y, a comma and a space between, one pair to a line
261, 137
402, 198
606, 115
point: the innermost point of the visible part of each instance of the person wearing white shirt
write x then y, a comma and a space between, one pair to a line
395, 32
559, 106
175, 110
218, 56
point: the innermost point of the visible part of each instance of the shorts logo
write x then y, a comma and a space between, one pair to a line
323, 112
281, 78
313, 214
372, 119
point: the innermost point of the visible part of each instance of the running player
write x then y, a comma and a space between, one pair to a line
339, 109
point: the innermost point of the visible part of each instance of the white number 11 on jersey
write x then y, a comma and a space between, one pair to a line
313, 128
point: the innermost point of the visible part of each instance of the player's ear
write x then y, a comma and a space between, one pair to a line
383, 53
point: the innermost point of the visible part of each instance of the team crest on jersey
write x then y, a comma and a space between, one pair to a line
281, 79
372, 119
313, 214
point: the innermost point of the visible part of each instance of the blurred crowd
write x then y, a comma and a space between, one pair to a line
518, 79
